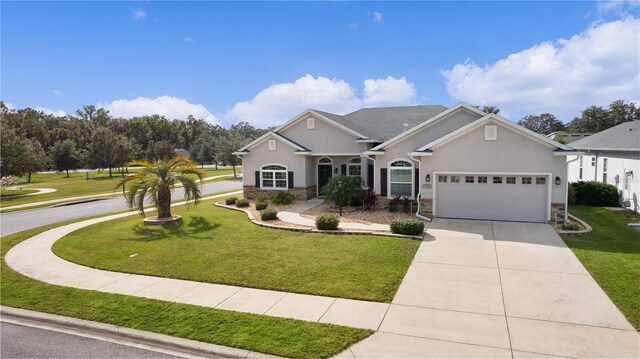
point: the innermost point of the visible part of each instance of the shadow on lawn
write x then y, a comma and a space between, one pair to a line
195, 227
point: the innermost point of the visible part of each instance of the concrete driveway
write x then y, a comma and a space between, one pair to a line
498, 290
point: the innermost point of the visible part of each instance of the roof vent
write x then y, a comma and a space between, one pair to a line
404, 126
630, 129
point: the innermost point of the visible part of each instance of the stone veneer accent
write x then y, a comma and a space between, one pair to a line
300, 193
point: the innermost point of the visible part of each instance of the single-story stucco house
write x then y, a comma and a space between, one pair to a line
458, 162
611, 156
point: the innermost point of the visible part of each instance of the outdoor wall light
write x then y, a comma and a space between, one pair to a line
557, 180
335, 171
427, 178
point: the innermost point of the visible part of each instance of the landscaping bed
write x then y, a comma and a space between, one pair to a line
271, 335
357, 214
611, 253
215, 245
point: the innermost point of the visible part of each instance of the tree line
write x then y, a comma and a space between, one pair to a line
33, 141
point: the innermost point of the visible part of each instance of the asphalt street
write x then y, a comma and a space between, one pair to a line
20, 341
23, 220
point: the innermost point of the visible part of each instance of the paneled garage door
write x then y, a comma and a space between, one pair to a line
496, 197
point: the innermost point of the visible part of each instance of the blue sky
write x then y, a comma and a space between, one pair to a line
264, 62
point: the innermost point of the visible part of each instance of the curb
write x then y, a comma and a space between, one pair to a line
313, 230
587, 227
127, 336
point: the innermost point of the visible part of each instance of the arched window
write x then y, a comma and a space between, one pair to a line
273, 177
401, 178
354, 167
325, 161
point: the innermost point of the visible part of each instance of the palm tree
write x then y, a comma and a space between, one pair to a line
157, 181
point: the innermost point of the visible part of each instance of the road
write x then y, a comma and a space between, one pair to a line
20, 341
23, 220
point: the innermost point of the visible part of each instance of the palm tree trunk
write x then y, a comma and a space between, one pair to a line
164, 203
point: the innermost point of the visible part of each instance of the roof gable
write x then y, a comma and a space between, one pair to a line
273, 135
321, 116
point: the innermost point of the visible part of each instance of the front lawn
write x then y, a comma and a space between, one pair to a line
218, 245
6, 194
277, 336
611, 253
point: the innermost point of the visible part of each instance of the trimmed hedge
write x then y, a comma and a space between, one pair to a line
231, 200
594, 193
281, 198
412, 227
261, 205
268, 214
327, 222
242, 203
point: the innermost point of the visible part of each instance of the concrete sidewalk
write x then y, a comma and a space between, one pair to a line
292, 215
34, 258
486, 289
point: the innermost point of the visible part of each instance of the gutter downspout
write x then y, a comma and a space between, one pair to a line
418, 215
566, 192
374, 167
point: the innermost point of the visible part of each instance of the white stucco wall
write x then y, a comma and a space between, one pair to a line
324, 138
283, 155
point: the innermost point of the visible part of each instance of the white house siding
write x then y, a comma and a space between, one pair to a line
283, 155
617, 163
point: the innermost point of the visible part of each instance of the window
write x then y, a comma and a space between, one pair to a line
526, 180
455, 179
468, 179
401, 178
490, 133
605, 163
482, 179
325, 161
354, 167
581, 162
273, 177
442, 178
593, 161
541, 180
272, 145
511, 180
497, 180
628, 174
311, 123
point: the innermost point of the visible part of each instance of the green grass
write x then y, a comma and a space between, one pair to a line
277, 336
77, 185
7, 194
611, 253
218, 245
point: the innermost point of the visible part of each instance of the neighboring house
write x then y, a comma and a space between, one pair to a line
459, 162
611, 156
567, 137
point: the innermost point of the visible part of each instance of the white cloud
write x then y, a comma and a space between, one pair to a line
618, 7
168, 106
188, 39
280, 102
56, 92
10, 106
138, 15
49, 111
377, 17
595, 67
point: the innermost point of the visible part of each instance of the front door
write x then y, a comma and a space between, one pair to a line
324, 173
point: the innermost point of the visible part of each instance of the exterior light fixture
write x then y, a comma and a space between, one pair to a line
557, 180
335, 171
428, 178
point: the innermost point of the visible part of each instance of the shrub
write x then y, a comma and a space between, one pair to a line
327, 222
369, 199
594, 193
571, 194
394, 203
343, 189
268, 214
405, 202
261, 198
242, 203
411, 227
281, 198
261, 205
231, 200
570, 226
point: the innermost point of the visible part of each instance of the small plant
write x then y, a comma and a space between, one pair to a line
281, 198
342, 189
261, 198
570, 226
231, 200
394, 203
261, 205
405, 202
412, 227
268, 214
369, 199
242, 203
327, 222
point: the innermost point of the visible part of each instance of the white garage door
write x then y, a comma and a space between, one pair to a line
495, 197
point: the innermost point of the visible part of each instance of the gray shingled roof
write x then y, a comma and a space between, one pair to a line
625, 136
383, 123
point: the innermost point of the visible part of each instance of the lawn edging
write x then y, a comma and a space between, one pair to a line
585, 225
312, 230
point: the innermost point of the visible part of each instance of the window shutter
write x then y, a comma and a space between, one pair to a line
290, 174
257, 179
416, 182
343, 169
370, 176
383, 182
